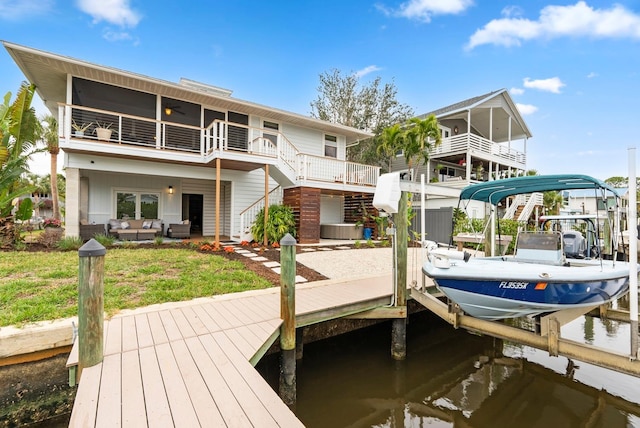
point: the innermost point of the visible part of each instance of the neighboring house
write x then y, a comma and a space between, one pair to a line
190, 151
483, 138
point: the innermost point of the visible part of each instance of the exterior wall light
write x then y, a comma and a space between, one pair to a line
171, 190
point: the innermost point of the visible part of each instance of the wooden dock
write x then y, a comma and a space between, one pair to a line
191, 363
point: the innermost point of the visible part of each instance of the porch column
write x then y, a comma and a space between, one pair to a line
72, 202
218, 200
491, 124
266, 204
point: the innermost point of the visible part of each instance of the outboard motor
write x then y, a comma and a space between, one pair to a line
574, 243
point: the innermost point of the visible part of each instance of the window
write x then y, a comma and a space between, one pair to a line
137, 205
330, 146
273, 137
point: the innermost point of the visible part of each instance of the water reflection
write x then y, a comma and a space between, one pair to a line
453, 378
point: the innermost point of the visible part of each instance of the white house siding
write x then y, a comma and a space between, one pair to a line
207, 188
331, 209
309, 141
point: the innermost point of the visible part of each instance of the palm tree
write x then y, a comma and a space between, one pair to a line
389, 143
19, 128
40, 187
552, 201
51, 140
420, 137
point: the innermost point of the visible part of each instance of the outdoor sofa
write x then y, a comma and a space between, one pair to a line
88, 231
135, 230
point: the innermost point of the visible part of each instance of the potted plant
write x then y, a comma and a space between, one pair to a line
79, 129
103, 131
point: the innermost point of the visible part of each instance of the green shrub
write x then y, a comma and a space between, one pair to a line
158, 240
69, 243
280, 222
105, 240
370, 243
357, 244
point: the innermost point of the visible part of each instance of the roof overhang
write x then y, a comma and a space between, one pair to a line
49, 72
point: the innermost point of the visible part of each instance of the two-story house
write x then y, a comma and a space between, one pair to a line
483, 138
135, 146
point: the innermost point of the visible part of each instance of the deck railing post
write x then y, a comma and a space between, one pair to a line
90, 304
288, 315
399, 326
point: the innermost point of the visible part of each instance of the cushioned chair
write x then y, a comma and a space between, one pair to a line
179, 230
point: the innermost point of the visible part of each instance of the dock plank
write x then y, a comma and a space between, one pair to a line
208, 321
269, 399
227, 313
183, 325
180, 403
144, 331
110, 395
230, 409
170, 326
215, 314
113, 341
129, 334
155, 398
133, 407
254, 409
203, 403
85, 406
196, 323
240, 309
158, 332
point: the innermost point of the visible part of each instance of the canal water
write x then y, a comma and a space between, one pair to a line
454, 378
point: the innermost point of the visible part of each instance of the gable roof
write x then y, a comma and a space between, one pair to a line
49, 72
480, 107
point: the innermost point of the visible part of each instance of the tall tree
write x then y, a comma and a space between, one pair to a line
370, 107
420, 137
552, 201
51, 140
390, 143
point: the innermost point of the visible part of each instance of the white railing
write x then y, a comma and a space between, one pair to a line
533, 200
211, 141
319, 168
510, 212
248, 215
467, 142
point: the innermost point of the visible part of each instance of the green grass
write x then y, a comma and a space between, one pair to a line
43, 286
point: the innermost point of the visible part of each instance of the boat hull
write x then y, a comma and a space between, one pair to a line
495, 289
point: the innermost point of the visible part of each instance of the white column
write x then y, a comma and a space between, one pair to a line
72, 202
633, 254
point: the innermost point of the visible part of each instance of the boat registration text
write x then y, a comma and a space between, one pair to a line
517, 285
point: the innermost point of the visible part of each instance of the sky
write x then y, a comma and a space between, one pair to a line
572, 67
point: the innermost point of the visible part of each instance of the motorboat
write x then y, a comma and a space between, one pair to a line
539, 277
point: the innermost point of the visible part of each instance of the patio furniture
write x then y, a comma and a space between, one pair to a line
179, 230
88, 231
141, 229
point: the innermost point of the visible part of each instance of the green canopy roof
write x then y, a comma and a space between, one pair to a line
495, 191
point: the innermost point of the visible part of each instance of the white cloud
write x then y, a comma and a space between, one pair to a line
592, 75
423, 10
116, 12
115, 36
367, 70
578, 20
552, 84
16, 9
526, 109
516, 91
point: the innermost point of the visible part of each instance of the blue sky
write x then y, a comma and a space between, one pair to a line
573, 67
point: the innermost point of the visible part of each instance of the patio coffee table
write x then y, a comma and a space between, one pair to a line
146, 235
127, 235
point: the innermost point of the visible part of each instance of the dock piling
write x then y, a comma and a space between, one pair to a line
288, 315
399, 326
90, 304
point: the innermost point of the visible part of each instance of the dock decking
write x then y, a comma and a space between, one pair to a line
191, 363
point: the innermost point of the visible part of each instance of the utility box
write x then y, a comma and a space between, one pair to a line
387, 193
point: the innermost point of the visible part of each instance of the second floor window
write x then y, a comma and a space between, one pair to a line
272, 136
330, 146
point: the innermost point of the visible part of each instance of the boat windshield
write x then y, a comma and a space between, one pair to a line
540, 241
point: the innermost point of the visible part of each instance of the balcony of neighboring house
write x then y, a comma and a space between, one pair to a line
468, 158
237, 145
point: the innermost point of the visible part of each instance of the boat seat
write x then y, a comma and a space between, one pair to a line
536, 247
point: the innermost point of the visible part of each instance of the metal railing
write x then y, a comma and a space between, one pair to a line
211, 141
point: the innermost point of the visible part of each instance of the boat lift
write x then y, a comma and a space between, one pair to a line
548, 338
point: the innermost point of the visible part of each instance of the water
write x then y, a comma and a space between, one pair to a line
454, 378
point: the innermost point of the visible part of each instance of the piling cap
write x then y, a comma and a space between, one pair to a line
92, 249
287, 240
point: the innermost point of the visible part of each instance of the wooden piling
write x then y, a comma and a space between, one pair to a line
288, 315
90, 304
399, 326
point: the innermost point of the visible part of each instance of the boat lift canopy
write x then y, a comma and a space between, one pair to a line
496, 190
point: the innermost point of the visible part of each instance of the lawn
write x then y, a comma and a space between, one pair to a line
38, 286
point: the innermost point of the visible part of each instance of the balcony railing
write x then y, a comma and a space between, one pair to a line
212, 141
470, 142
